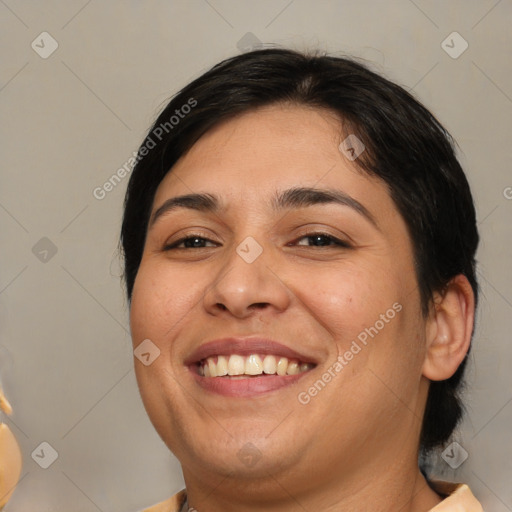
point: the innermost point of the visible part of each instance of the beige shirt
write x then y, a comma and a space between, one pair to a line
460, 499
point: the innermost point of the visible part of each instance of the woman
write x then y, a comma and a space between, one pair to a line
299, 245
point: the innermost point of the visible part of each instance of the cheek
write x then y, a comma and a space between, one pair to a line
371, 318
161, 303
347, 299
161, 300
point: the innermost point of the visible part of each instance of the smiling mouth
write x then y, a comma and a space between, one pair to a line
236, 366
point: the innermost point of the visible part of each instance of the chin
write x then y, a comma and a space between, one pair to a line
251, 455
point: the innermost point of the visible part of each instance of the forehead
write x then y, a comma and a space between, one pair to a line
248, 158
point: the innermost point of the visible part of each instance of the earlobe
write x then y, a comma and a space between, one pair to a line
449, 329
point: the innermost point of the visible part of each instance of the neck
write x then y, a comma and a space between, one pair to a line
391, 490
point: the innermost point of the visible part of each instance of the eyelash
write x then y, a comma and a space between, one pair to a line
335, 241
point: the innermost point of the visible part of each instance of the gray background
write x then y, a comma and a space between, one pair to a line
72, 119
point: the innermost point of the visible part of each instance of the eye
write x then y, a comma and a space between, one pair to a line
321, 240
190, 242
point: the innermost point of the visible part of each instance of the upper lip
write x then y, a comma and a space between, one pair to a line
244, 347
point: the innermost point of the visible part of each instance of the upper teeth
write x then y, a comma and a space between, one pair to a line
253, 364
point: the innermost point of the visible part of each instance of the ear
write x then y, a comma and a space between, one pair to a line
449, 329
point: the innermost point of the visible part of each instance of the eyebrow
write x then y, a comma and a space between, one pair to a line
199, 202
299, 197
303, 196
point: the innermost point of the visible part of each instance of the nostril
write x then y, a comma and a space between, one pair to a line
256, 305
260, 305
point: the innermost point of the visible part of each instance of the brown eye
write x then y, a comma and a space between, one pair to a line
190, 242
322, 240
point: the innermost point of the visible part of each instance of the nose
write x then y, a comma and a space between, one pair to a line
242, 287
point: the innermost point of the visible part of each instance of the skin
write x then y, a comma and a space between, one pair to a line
10, 456
354, 446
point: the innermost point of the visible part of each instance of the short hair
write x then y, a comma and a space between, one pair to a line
405, 146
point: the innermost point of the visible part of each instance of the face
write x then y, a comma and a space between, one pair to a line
292, 271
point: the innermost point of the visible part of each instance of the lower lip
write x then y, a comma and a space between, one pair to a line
250, 386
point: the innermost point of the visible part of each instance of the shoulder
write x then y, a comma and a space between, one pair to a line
173, 504
459, 497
